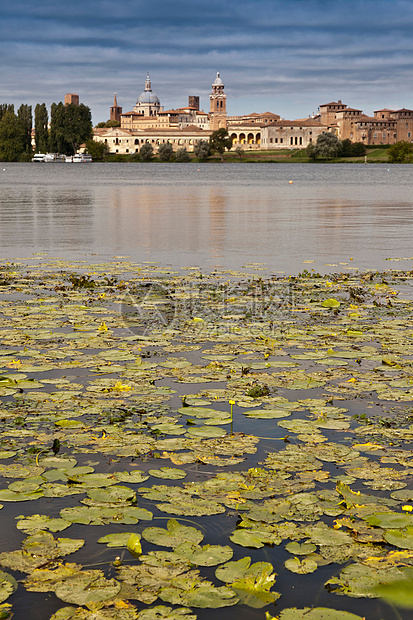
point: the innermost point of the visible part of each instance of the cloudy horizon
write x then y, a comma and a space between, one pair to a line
278, 56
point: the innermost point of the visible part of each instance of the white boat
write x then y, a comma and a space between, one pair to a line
39, 157
79, 158
53, 157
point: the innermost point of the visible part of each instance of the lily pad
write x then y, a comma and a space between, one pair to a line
174, 535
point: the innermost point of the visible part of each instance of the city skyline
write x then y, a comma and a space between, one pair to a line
284, 57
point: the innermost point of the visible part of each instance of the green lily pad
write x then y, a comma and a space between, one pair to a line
36, 523
302, 567
208, 555
300, 549
115, 540
113, 494
8, 585
87, 588
315, 613
161, 612
267, 414
174, 535
398, 593
198, 594
206, 431
134, 544
390, 520
169, 473
401, 538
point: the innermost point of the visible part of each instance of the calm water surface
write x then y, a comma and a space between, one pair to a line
210, 214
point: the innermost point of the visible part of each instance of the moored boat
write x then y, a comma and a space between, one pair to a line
78, 158
53, 157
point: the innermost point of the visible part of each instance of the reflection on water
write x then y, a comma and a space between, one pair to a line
206, 214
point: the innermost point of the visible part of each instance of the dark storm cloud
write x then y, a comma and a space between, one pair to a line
285, 56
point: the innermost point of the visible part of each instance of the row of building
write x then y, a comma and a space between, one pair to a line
148, 122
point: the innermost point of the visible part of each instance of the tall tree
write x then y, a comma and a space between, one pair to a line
78, 125
12, 137
58, 144
328, 146
166, 152
6, 107
202, 150
401, 152
41, 131
25, 116
219, 141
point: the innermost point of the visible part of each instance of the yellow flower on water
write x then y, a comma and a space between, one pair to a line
352, 380
407, 508
14, 364
197, 319
120, 387
103, 327
231, 402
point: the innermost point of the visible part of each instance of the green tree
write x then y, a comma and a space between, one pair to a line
78, 125
71, 125
219, 141
328, 146
6, 107
310, 151
352, 149
41, 128
346, 148
358, 149
112, 124
166, 152
25, 117
146, 152
98, 150
101, 125
182, 156
58, 142
239, 151
202, 150
12, 137
401, 152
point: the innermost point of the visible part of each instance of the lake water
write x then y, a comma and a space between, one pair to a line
288, 217
283, 215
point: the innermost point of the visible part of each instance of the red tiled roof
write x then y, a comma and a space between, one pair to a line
305, 123
323, 105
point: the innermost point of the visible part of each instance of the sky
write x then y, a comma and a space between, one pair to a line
286, 57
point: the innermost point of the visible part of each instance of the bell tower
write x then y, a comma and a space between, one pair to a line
218, 105
115, 111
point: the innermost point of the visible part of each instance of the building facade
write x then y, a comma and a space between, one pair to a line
148, 122
385, 127
291, 134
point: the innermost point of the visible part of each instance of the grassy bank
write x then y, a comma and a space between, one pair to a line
376, 154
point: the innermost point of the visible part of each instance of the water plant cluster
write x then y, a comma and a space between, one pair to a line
178, 442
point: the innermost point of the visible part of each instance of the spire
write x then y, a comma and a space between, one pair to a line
148, 82
115, 102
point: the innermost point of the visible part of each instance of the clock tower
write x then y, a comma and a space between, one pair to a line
218, 105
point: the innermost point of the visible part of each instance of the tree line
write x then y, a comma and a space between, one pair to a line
70, 126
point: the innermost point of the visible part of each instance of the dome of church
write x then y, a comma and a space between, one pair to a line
147, 96
218, 81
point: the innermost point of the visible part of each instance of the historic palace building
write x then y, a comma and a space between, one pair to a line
148, 122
